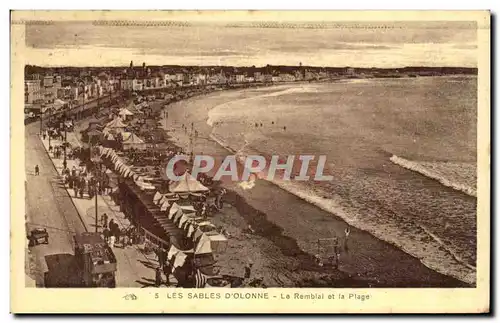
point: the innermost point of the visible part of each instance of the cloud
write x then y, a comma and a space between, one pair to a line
351, 44
308, 47
193, 52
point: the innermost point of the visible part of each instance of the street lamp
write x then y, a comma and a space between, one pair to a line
83, 99
48, 125
95, 160
41, 121
65, 163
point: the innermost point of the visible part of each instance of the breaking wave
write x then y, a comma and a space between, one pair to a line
424, 242
460, 177
433, 253
436, 255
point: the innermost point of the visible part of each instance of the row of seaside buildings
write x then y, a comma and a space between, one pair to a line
60, 89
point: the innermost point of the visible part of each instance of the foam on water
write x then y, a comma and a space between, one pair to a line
441, 174
422, 239
436, 255
433, 253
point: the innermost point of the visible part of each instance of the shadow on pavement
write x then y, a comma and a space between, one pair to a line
147, 264
62, 271
146, 282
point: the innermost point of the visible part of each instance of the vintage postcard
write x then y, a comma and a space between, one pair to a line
250, 162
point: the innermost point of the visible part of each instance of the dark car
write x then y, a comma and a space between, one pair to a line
38, 236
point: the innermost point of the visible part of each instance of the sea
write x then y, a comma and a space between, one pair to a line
402, 153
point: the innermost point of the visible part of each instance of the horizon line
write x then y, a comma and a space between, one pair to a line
249, 66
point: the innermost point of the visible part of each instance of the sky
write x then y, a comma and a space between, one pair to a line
337, 44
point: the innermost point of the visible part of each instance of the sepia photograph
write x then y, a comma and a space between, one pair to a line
251, 151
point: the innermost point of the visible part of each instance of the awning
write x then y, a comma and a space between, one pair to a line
157, 197
164, 206
188, 208
204, 245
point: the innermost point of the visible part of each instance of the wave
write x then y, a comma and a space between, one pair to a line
432, 171
423, 244
210, 122
436, 256
434, 253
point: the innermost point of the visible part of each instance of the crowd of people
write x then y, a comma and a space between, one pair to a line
83, 181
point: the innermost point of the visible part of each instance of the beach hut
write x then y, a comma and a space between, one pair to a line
131, 140
125, 114
133, 108
187, 184
115, 124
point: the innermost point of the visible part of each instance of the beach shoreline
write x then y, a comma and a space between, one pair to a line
377, 259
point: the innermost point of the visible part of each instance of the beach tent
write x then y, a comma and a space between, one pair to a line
175, 207
144, 184
131, 140
203, 245
187, 184
164, 206
124, 112
116, 123
188, 208
133, 109
157, 198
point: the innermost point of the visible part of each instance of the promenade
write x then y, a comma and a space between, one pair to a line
48, 206
135, 268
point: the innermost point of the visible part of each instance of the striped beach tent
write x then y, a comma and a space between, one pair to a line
177, 217
183, 221
200, 279
203, 244
157, 197
191, 230
164, 206
161, 200
173, 210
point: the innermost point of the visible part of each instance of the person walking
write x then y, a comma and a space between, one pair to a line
107, 234
248, 272
157, 277
117, 234
161, 257
111, 225
104, 220
336, 249
37, 170
167, 270
347, 231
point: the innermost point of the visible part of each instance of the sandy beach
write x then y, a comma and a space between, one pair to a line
287, 228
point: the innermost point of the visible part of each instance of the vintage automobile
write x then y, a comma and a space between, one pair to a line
38, 236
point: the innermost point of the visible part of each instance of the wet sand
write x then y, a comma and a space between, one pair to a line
287, 228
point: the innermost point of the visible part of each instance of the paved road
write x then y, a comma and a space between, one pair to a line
48, 205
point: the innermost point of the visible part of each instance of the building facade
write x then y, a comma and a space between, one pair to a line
33, 92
